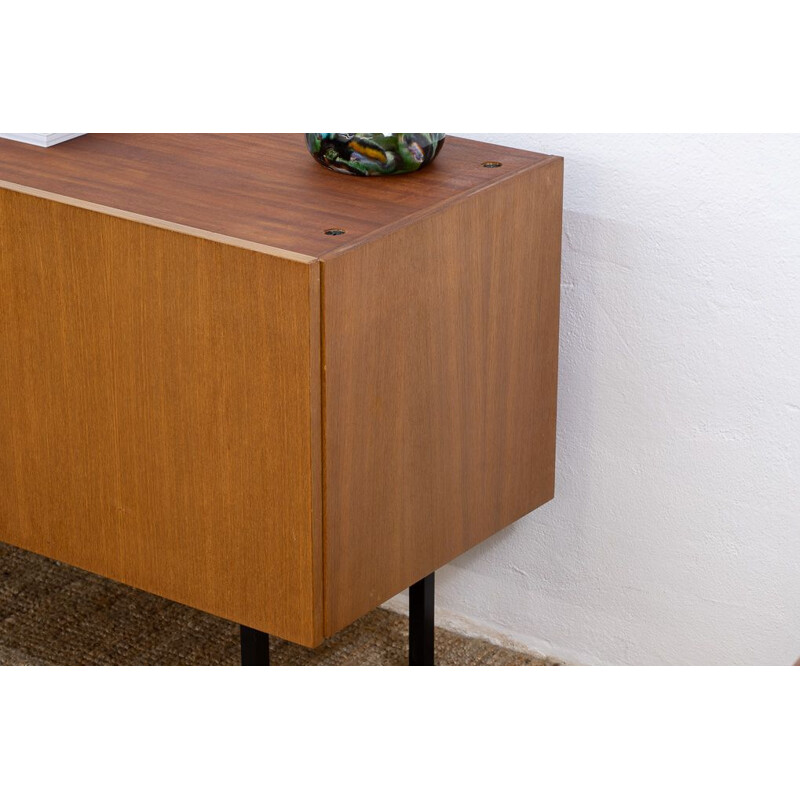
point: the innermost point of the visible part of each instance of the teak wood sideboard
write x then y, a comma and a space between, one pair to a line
275, 393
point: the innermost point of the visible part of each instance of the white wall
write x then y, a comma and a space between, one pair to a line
674, 537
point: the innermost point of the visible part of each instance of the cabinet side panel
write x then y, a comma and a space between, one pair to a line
441, 350
155, 411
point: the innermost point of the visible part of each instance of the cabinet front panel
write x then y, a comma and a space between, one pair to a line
155, 411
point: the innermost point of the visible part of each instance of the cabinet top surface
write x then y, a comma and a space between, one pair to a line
262, 189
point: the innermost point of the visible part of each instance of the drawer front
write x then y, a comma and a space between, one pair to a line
156, 413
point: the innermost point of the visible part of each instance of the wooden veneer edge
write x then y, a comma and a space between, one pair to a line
287, 255
317, 465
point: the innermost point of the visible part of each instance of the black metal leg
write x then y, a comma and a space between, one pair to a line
255, 647
420, 623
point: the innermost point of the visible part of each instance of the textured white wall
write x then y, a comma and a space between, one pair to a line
674, 537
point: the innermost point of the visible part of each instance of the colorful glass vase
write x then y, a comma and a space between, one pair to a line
374, 153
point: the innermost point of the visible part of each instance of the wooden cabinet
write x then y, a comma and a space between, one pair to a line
207, 394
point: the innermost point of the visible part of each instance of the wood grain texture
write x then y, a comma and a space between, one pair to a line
440, 352
204, 396
259, 188
286, 255
156, 411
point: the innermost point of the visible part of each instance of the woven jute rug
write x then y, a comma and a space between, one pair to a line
53, 614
